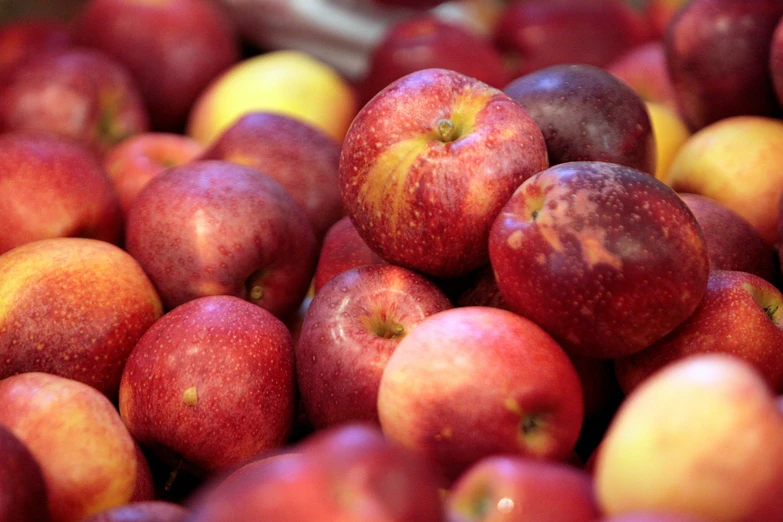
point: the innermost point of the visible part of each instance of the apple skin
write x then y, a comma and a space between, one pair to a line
444, 398
644, 68
351, 328
176, 401
718, 54
427, 164
615, 247
134, 161
150, 511
213, 227
587, 114
424, 42
732, 243
145, 482
652, 517
670, 134
74, 432
25, 37
73, 307
83, 94
517, 489
23, 495
51, 187
776, 61
684, 435
301, 157
173, 49
660, 14
740, 314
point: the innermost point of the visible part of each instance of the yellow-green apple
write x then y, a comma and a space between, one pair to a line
83, 94
427, 164
74, 432
21, 38
52, 187
737, 161
703, 437
474, 381
740, 314
660, 13
587, 114
505, 488
73, 307
301, 157
288, 82
23, 495
644, 68
351, 328
133, 162
670, 134
612, 245
538, 33
342, 249
732, 243
149, 511
427, 41
202, 416
213, 227
718, 55
173, 48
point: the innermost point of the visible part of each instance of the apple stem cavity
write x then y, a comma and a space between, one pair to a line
529, 424
446, 130
771, 310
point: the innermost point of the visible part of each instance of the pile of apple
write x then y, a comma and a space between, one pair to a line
527, 275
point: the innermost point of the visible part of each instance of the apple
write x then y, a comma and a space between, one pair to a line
736, 161
22, 38
82, 94
652, 517
150, 511
213, 227
587, 114
342, 249
134, 161
145, 482
411, 4
301, 157
51, 187
23, 495
206, 417
776, 61
427, 164
173, 49
286, 81
426, 41
351, 328
702, 437
73, 307
75, 433
660, 13
605, 258
478, 288
670, 134
535, 34
644, 68
732, 243
471, 382
718, 54
519, 489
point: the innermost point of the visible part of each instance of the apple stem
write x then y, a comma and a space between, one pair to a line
173, 475
446, 129
771, 310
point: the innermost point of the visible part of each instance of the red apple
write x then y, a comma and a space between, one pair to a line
133, 162
214, 227
23, 495
173, 48
644, 68
605, 258
476, 381
517, 489
301, 157
427, 164
145, 482
22, 38
85, 451
718, 53
776, 61
199, 415
660, 14
150, 511
82, 94
354, 323
53, 187
73, 307
652, 517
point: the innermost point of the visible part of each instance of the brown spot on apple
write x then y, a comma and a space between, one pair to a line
190, 396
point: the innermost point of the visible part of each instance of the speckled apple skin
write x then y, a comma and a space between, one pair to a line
240, 360
339, 358
731, 318
458, 387
85, 451
605, 258
73, 307
23, 496
205, 227
424, 203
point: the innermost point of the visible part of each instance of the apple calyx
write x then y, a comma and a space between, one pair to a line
257, 293
190, 396
384, 326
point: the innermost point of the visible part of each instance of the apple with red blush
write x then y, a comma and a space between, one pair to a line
23, 494
148, 511
645, 69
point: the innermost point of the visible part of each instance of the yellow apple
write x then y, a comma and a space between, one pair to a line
670, 133
737, 161
701, 437
287, 82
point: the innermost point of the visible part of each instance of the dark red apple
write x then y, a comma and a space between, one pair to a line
776, 61
22, 38
150, 511
23, 495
